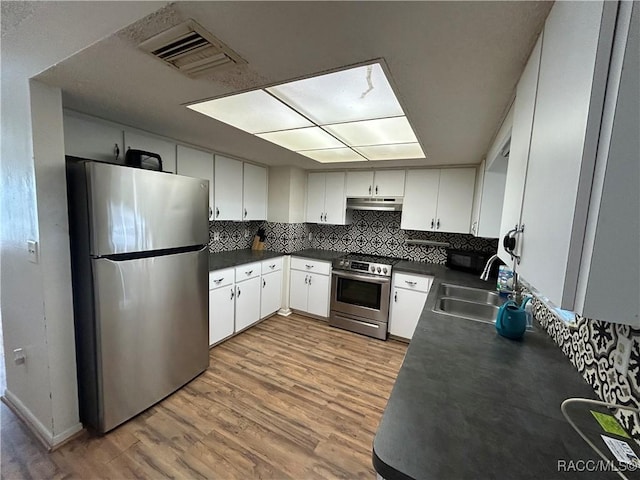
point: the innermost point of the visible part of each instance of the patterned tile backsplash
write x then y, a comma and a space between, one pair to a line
374, 233
590, 348
379, 233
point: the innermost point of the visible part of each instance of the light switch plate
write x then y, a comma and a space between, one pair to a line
621, 355
216, 236
32, 249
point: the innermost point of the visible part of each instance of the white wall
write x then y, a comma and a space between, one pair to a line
36, 297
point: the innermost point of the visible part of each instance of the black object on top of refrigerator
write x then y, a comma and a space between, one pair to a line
139, 260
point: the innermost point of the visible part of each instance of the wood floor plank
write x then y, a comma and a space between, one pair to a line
289, 398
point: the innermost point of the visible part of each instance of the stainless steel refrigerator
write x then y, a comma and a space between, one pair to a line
140, 284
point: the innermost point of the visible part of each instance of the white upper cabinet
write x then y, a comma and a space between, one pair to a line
326, 199
381, 183
389, 183
147, 143
523, 110
581, 208
420, 207
92, 140
571, 84
359, 184
439, 200
197, 164
254, 198
228, 189
455, 199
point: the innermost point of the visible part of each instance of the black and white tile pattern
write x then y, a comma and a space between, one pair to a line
379, 233
590, 348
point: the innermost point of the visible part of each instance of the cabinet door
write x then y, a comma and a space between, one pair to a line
389, 183
405, 310
566, 126
420, 200
247, 303
166, 150
254, 197
198, 164
455, 199
221, 313
523, 110
271, 299
228, 189
299, 290
318, 303
93, 140
315, 197
359, 184
335, 202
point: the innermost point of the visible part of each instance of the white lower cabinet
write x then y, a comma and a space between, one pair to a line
408, 296
271, 298
247, 303
309, 292
221, 305
241, 296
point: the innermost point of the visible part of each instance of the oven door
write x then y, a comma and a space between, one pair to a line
365, 296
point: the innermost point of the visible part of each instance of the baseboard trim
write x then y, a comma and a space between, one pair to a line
49, 441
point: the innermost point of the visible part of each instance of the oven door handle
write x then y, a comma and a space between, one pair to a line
365, 278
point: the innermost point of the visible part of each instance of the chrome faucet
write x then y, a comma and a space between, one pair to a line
487, 267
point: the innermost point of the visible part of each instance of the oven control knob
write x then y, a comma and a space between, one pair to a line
373, 269
379, 269
384, 270
341, 263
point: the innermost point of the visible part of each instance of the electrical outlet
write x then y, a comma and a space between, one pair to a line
246, 233
621, 355
216, 236
32, 250
19, 356
310, 236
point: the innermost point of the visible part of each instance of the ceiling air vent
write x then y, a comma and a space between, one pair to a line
191, 49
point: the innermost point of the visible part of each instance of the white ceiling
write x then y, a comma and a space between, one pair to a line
454, 66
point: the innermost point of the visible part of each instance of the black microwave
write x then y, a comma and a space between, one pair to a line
471, 261
142, 159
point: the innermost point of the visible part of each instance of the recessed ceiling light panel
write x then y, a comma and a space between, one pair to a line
333, 155
402, 151
310, 138
321, 117
374, 132
253, 112
360, 93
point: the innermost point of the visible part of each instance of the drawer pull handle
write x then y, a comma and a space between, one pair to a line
272, 266
395, 297
248, 272
308, 266
306, 279
232, 294
410, 283
218, 280
239, 292
264, 283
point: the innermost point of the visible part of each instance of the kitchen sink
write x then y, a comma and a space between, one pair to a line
475, 295
470, 303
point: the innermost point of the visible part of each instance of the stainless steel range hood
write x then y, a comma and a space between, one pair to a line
379, 204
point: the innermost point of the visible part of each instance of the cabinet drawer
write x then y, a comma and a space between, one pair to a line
221, 278
419, 283
311, 266
245, 272
271, 265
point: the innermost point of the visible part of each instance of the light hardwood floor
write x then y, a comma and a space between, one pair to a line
289, 398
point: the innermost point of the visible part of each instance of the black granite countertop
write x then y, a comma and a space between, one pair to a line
469, 403
239, 257
316, 254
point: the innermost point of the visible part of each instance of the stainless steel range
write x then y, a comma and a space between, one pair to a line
360, 291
